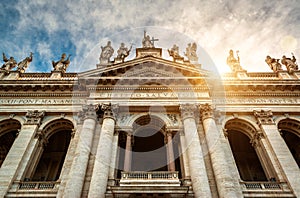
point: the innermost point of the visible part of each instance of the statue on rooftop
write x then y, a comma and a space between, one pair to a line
22, 66
147, 43
62, 64
273, 63
106, 53
290, 64
123, 51
9, 64
191, 52
174, 52
234, 63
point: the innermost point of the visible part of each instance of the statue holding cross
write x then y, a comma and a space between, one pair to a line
147, 42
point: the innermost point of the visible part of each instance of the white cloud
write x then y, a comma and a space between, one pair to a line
255, 28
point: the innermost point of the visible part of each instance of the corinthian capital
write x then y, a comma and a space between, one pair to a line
109, 110
206, 111
264, 117
88, 111
188, 111
34, 117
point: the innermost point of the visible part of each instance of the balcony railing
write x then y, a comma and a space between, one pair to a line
37, 185
157, 178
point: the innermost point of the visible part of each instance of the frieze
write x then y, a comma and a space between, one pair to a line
257, 101
41, 101
147, 95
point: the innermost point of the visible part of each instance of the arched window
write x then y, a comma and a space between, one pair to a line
8, 133
55, 147
244, 150
290, 132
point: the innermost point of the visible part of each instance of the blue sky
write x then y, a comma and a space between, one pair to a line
49, 28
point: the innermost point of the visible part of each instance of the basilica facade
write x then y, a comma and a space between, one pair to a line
150, 127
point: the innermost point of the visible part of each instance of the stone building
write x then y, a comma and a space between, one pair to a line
150, 127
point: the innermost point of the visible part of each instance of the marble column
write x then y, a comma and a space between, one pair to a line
193, 148
103, 156
288, 165
77, 172
17, 153
227, 176
128, 152
170, 152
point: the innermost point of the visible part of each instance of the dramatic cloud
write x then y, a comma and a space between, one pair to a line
50, 28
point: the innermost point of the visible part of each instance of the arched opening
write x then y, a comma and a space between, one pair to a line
149, 150
54, 152
245, 155
9, 130
290, 132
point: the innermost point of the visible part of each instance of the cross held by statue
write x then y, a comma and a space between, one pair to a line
153, 40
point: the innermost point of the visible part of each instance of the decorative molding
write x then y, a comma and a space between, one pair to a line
188, 111
34, 117
41, 136
207, 111
264, 117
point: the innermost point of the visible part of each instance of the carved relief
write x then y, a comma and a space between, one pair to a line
41, 136
256, 138
34, 117
109, 111
88, 111
206, 111
264, 117
173, 118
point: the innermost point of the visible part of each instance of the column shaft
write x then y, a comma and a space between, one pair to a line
103, 156
127, 159
170, 152
77, 173
196, 162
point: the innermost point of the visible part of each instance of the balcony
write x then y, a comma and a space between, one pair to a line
266, 189
156, 178
33, 189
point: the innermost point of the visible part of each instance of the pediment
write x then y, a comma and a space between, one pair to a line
145, 67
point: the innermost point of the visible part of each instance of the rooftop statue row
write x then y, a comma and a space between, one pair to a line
290, 63
11, 63
108, 51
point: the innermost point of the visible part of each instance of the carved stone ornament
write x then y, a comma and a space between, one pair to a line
256, 138
264, 117
41, 136
34, 117
206, 111
88, 112
188, 111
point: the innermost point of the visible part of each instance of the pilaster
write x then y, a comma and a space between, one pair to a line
281, 152
17, 154
227, 176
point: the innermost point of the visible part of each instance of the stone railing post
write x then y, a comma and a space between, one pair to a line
17, 155
103, 155
193, 148
227, 176
77, 172
288, 165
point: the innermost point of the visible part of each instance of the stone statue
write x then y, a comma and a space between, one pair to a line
273, 63
234, 63
62, 64
106, 53
147, 43
22, 66
191, 52
174, 52
123, 51
290, 64
9, 64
